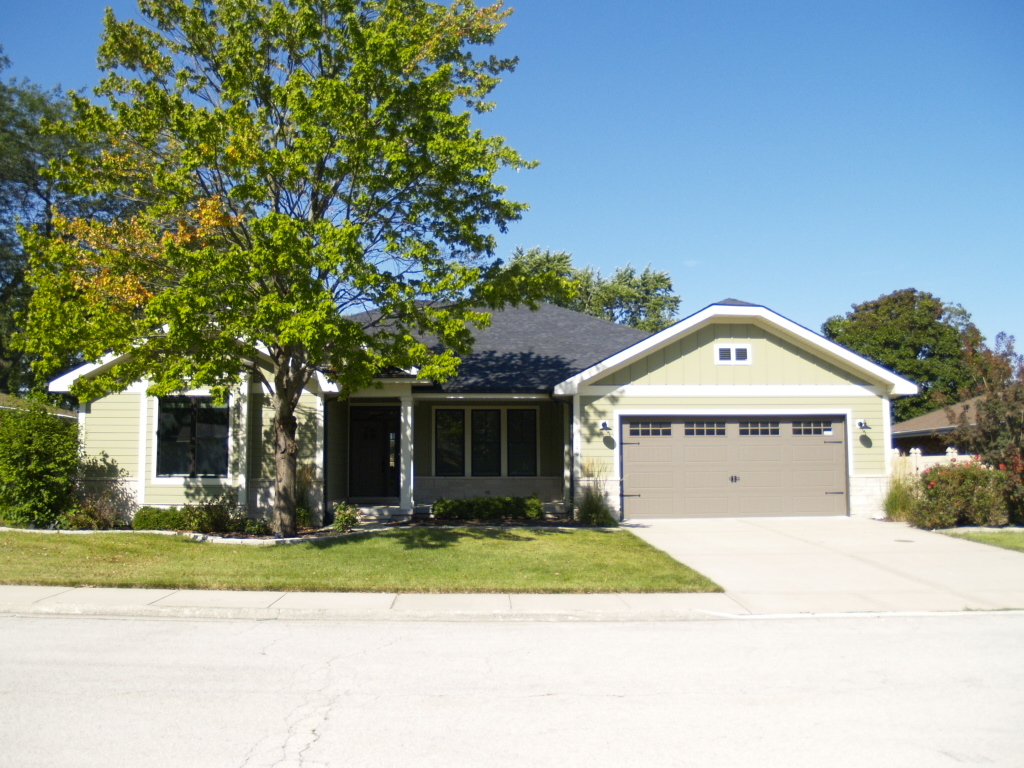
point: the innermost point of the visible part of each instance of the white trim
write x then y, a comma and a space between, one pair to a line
897, 384
498, 396
732, 390
733, 360
182, 480
620, 413
406, 466
140, 493
887, 433
577, 443
242, 478
565, 417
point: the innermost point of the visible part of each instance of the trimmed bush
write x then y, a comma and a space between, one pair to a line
38, 466
961, 494
159, 519
489, 508
592, 508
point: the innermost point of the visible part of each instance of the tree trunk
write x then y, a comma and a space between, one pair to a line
287, 388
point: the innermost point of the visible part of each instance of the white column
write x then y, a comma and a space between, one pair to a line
406, 457
241, 441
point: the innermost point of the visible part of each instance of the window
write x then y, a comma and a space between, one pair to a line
812, 427
732, 354
704, 429
650, 429
449, 442
499, 442
191, 438
751, 428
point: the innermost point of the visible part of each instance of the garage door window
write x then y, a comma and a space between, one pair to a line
650, 429
704, 429
752, 428
812, 427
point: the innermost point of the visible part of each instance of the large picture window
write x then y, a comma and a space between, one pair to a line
191, 438
485, 442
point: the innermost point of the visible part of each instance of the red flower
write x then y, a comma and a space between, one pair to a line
1002, 466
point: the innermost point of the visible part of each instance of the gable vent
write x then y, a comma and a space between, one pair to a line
733, 354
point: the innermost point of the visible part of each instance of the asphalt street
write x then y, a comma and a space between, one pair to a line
897, 690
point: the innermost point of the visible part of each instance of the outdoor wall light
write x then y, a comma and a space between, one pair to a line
861, 424
605, 427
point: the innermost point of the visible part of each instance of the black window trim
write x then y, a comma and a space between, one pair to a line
163, 479
467, 437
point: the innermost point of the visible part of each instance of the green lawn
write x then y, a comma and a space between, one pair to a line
1004, 539
413, 560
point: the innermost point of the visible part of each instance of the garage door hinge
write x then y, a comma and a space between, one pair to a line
835, 493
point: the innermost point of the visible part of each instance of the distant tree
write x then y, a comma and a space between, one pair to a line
311, 198
996, 430
644, 300
30, 139
916, 335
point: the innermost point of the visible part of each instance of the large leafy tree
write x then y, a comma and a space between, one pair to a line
915, 334
311, 197
643, 300
27, 197
995, 429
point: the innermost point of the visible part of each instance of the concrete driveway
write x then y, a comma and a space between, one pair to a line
840, 564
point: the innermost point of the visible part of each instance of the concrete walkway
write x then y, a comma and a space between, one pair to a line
840, 564
768, 567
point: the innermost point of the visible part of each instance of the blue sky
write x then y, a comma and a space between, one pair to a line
801, 155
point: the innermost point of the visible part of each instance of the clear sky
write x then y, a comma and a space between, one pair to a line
801, 155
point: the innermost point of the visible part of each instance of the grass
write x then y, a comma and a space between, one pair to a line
1004, 539
414, 560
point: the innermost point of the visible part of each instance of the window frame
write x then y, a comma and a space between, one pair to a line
468, 438
182, 479
732, 347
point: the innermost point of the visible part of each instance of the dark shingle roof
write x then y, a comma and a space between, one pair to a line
532, 351
934, 421
735, 303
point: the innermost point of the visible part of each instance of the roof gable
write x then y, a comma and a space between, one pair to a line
842, 360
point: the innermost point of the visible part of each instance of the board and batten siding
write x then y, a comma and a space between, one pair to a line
691, 361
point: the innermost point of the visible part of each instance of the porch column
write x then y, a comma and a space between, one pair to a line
406, 457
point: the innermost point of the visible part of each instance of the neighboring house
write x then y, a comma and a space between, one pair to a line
13, 403
732, 411
929, 431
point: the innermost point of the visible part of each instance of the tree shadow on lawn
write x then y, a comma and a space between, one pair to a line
440, 538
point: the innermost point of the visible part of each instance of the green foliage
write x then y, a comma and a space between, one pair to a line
592, 508
310, 193
901, 498
159, 519
961, 494
38, 466
345, 517
916, 335
489, 508
644, 300
996, 431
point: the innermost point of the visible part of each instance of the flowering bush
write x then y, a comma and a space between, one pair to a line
961, 494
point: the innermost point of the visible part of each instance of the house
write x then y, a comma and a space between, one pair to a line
928, 432
732, 411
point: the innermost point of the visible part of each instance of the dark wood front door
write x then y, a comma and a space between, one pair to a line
374, 451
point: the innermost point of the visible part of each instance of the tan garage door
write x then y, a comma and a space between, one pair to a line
733, 467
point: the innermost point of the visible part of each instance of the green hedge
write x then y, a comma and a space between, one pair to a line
490, 508
201, 518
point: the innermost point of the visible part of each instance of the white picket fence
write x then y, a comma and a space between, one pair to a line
913, 463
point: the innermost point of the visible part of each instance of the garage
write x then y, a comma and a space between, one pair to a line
744, 466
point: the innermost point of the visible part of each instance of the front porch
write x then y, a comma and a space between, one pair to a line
392, 457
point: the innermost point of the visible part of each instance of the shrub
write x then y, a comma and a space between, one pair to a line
159, 519
38, 466
345, 517
962, 494
489, 508
592, 508
252, 527
903, 496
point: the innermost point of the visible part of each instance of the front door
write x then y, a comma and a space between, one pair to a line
373, 451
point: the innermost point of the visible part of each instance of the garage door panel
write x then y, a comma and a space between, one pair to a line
703, 454
677, 475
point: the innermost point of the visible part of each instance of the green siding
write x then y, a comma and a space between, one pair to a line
691, 361
112, 429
